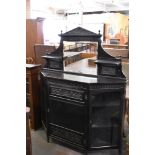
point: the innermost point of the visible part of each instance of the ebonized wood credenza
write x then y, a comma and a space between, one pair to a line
79, 110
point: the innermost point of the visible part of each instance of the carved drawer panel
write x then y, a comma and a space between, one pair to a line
67, 93
68, 135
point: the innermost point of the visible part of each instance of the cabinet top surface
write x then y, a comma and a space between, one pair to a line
81, 78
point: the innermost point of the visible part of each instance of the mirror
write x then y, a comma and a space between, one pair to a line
79, 57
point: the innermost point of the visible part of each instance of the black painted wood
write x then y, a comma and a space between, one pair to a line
84, 114
81, 111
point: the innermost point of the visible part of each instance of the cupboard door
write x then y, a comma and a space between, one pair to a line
68, 114
105, 119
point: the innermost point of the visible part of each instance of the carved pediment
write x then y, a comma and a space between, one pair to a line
80, 32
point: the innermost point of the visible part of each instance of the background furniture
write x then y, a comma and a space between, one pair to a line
115, 46
40, 50
34, 35
28, 134
29, 60
122, 53
33, 91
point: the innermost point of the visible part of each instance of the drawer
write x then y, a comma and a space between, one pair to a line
68, 93
27, 78
27, 87
68, 135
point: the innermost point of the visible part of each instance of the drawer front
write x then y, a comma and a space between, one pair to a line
68, 93
67, 135
27, 87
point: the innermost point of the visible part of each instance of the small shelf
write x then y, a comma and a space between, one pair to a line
104, 136
112, 104
103, 125
98, 142
100, 137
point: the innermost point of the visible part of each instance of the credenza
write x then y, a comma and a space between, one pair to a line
84, 113
80, 110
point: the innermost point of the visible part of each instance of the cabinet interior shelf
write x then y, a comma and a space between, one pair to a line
105, 105
104, 123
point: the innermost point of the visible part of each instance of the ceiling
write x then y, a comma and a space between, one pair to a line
69, 7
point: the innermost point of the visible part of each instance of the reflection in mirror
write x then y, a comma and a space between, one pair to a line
79, 57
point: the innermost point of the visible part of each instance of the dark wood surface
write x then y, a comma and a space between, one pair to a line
80, 77
69, 99
33, 90
34, 35
41, 50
